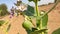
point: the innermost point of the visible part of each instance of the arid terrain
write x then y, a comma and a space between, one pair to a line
16, 22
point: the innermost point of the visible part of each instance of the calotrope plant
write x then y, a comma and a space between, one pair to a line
27, 12
41, 20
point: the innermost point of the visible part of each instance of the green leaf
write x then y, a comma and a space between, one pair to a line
29, 11
44, 20
2, 22
8, 27
57, 31
38, 31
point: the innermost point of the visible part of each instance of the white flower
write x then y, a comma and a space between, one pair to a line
22, 7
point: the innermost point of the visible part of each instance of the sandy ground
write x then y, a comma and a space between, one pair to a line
16, 22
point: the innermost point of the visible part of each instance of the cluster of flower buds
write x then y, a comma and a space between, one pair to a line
22, 7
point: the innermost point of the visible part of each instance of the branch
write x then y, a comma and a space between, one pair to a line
51, 8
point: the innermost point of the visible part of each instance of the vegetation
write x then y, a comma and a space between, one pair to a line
57, 31
3, 10
40, 16
41, 20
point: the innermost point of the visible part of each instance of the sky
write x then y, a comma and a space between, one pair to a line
10, 3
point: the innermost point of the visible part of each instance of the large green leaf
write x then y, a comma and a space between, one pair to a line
29, 11
42, 21
57, 31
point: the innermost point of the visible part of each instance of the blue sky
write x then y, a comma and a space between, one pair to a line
10, 3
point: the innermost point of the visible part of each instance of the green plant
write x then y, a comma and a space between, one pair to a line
3, 9
57, 31
41, 20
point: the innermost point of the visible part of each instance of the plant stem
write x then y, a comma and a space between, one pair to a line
37, 17
37, 13
36, 8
